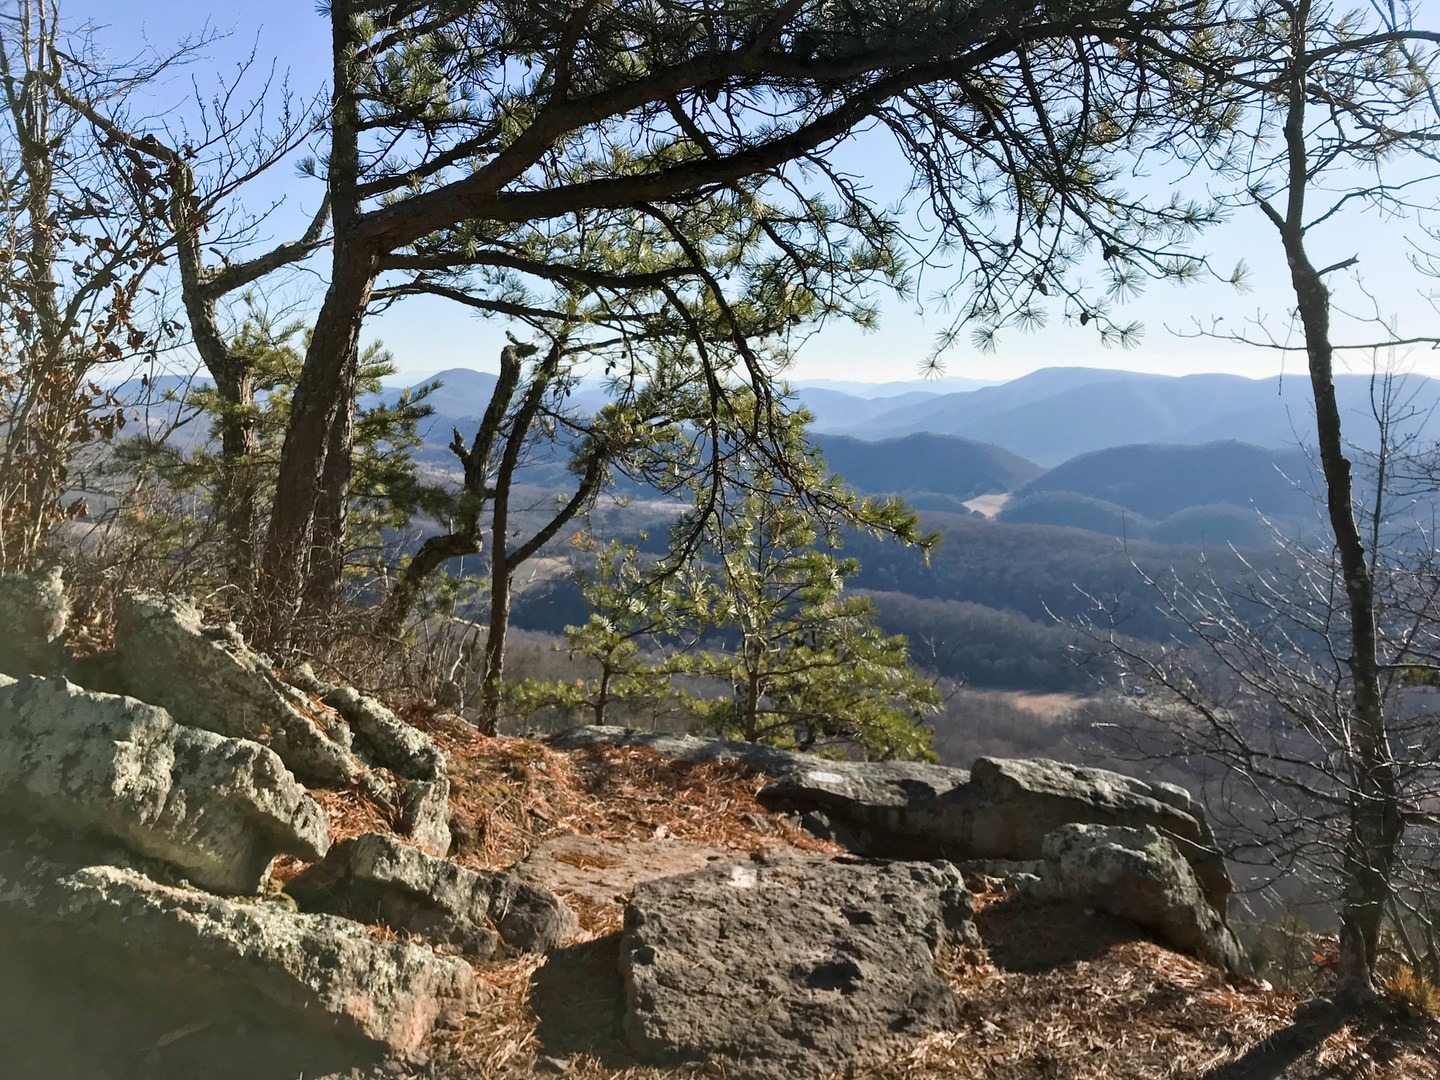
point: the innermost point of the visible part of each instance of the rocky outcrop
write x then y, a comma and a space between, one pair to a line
1026, 800
184, 778
379, 879
1146, 846
261, 958
33, 614
207, 677
785, 967
1140, 875
999, 809
421, 791
216, 809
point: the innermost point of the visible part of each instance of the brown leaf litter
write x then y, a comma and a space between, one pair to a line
1057, 993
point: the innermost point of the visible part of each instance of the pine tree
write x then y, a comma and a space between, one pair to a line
808, 665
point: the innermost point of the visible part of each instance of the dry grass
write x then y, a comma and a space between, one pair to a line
352, 813
1134, 1010
1382, 1048
509, 794
1414, 990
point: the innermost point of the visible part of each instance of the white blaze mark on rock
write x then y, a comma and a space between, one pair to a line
743, 877
826, 778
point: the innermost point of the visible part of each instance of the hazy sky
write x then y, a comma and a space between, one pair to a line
428, 336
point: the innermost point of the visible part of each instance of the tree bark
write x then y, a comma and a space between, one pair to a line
477, 461
320, 426
504, 560
313, 481
1375, 825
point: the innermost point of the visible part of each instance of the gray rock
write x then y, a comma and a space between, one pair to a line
788, 967
403, 749
425, 813
33, 612
684, 747
1025, 800
378, 877
891, 808
388, 740
1000, 809
217, 809
1140, 875
315, 971
207, 677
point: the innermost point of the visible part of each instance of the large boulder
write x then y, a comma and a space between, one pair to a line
33, 612
312, 971
1021, 802
785, 967
217, 809
207, 677
999, 809
1140, 875
378, 878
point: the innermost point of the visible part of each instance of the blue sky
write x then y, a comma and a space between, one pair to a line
430, 335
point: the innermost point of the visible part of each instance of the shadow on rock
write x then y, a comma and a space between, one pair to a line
580, 1003
1030, 938
61, 1019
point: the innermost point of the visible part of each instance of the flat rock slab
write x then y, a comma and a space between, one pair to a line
317, 972
207, 677
378, 878
785, 967
214, 808
596, 876
684, 747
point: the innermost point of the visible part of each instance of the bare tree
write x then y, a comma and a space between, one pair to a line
77, 249
200, 175
1298, 685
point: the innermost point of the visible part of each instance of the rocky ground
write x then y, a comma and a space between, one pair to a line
212, 868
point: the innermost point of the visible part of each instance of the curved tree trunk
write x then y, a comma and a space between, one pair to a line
313, 482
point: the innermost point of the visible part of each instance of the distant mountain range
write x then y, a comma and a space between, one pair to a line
1050, 416
1193, 459
1160, 480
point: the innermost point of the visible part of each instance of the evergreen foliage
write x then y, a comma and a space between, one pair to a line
386, 490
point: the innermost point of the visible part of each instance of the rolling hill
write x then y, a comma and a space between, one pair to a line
1160, 480
925, 463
